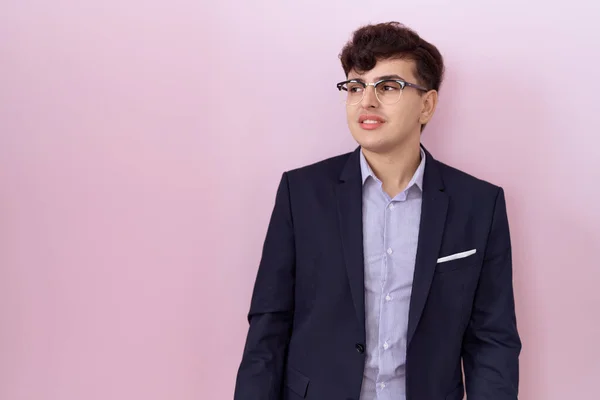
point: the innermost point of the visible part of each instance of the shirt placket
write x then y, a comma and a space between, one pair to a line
384, 299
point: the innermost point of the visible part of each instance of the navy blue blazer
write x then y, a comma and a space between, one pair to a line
306, 337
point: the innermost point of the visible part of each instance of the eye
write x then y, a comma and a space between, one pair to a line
353, 87
389, 86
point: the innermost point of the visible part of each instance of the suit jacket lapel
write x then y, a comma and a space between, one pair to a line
433, 219
349, 201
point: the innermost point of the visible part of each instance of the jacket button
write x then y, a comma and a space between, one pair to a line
360, 348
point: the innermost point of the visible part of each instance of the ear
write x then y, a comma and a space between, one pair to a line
430, 100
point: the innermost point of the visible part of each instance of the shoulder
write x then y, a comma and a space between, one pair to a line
325, 170
464, 180
468, 187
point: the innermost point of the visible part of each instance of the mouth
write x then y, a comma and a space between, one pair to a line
370, 122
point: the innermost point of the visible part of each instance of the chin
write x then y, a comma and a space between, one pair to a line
376, 146
379, 148
380, 141
374, 142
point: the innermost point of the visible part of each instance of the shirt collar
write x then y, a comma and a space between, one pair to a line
417, 178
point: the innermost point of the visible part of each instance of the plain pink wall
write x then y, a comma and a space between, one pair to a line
140, 148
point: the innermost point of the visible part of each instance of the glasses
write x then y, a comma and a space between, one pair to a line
387, 91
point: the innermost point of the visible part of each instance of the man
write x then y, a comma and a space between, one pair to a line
385, 274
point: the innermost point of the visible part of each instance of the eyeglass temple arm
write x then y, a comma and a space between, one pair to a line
416, 86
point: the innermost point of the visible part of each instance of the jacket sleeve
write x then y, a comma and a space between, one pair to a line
261, 372
491, 345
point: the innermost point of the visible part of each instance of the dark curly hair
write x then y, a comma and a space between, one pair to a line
393, 40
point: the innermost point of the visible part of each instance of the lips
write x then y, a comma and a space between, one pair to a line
370, 122
369, 117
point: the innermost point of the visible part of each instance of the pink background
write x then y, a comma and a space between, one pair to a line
141, 143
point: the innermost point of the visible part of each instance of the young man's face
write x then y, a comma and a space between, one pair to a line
395, 124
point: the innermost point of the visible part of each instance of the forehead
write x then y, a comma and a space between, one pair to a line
401, 67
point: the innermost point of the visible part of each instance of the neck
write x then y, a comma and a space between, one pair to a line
396, 168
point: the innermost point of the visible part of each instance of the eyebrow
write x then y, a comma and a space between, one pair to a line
384, 77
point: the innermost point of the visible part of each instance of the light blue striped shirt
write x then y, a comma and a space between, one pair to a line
390, 232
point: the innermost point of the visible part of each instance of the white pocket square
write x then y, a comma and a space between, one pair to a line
456, 256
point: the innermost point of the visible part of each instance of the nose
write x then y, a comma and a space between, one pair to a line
369, 99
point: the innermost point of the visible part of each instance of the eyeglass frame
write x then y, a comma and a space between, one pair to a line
401, 82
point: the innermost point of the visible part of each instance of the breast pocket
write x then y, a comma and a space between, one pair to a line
456, 261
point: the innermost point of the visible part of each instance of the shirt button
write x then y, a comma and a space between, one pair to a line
386, 345
388, 297
389, 251
391, 206
382, 385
